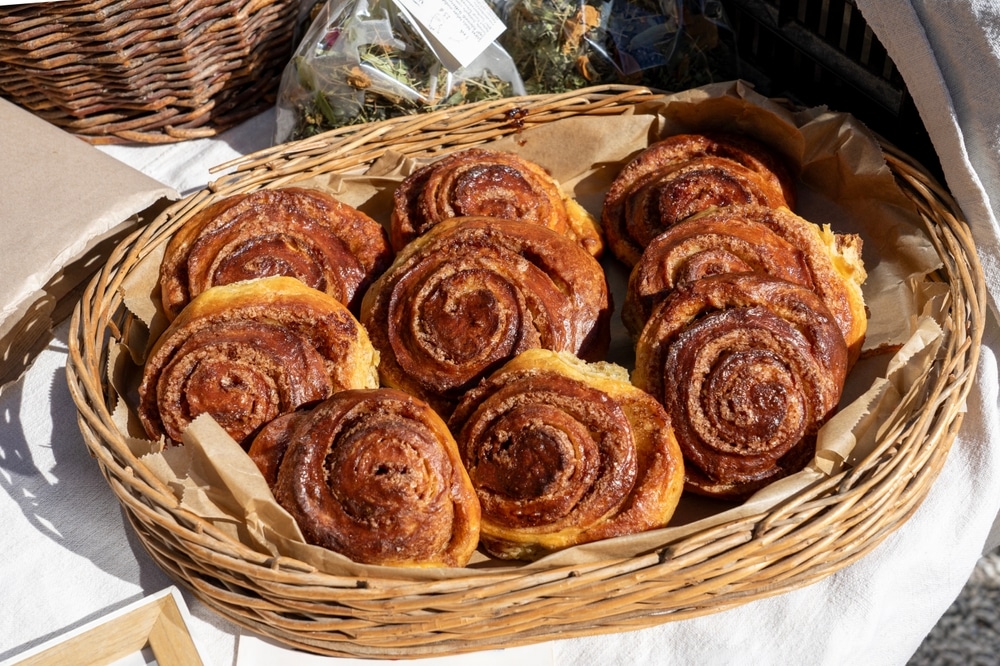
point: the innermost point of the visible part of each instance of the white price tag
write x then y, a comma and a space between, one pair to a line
462, 28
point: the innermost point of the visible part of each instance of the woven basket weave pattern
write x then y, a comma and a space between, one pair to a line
820, 530
143, 70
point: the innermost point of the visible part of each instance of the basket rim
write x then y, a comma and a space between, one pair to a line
272, 595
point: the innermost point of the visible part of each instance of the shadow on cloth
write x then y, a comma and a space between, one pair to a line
65, 498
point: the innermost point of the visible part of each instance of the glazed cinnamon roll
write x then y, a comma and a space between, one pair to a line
473, 292
736, 239
267, 448
248, 352
748, 367
488, 183
563, 452
300, 233
684, 175
374, 475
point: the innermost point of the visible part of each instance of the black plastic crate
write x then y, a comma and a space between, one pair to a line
822, 52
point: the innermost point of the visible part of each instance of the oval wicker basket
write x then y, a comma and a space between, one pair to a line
820, 530
147, 71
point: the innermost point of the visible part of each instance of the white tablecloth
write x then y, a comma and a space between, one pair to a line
68, 557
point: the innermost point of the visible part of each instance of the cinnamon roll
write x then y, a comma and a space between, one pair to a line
563, 452
473, 292
267, 448
300, 233
488, 183
748, 367
683, 175
248, 352
737, 239
375, 475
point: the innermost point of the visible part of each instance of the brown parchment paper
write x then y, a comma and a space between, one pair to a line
64, 206
843, 182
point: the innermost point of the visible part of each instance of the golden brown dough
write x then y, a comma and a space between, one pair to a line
248, 352
683, 175
305, 234
267, 448
375, 475
735, 239
488, 183
748, 367
563, 452
473, 292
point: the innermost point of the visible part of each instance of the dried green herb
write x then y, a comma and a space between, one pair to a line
546, 39
563, 45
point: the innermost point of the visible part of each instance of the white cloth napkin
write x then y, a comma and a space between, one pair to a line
948, 52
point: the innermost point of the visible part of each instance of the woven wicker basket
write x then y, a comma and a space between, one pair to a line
149, 71
822, 529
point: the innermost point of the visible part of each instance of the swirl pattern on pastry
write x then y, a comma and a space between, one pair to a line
564, 452
248, 352
748, 367
473, 292
300, 233
487, 183
375, 475
737, 239
684, 175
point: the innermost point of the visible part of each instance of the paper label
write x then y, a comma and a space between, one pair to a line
463, 28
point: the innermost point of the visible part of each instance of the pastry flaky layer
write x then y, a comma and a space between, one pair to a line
473, 292
749, 238
564, 452
685, 174
488, 183
748, 367
374, 475
300, 233
250, 351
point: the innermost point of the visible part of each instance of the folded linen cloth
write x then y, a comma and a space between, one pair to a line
948, 52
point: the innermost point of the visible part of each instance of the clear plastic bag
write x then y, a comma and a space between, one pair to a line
560, 45
367, 60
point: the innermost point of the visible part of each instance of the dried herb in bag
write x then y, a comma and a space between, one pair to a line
367, 60
562, 45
